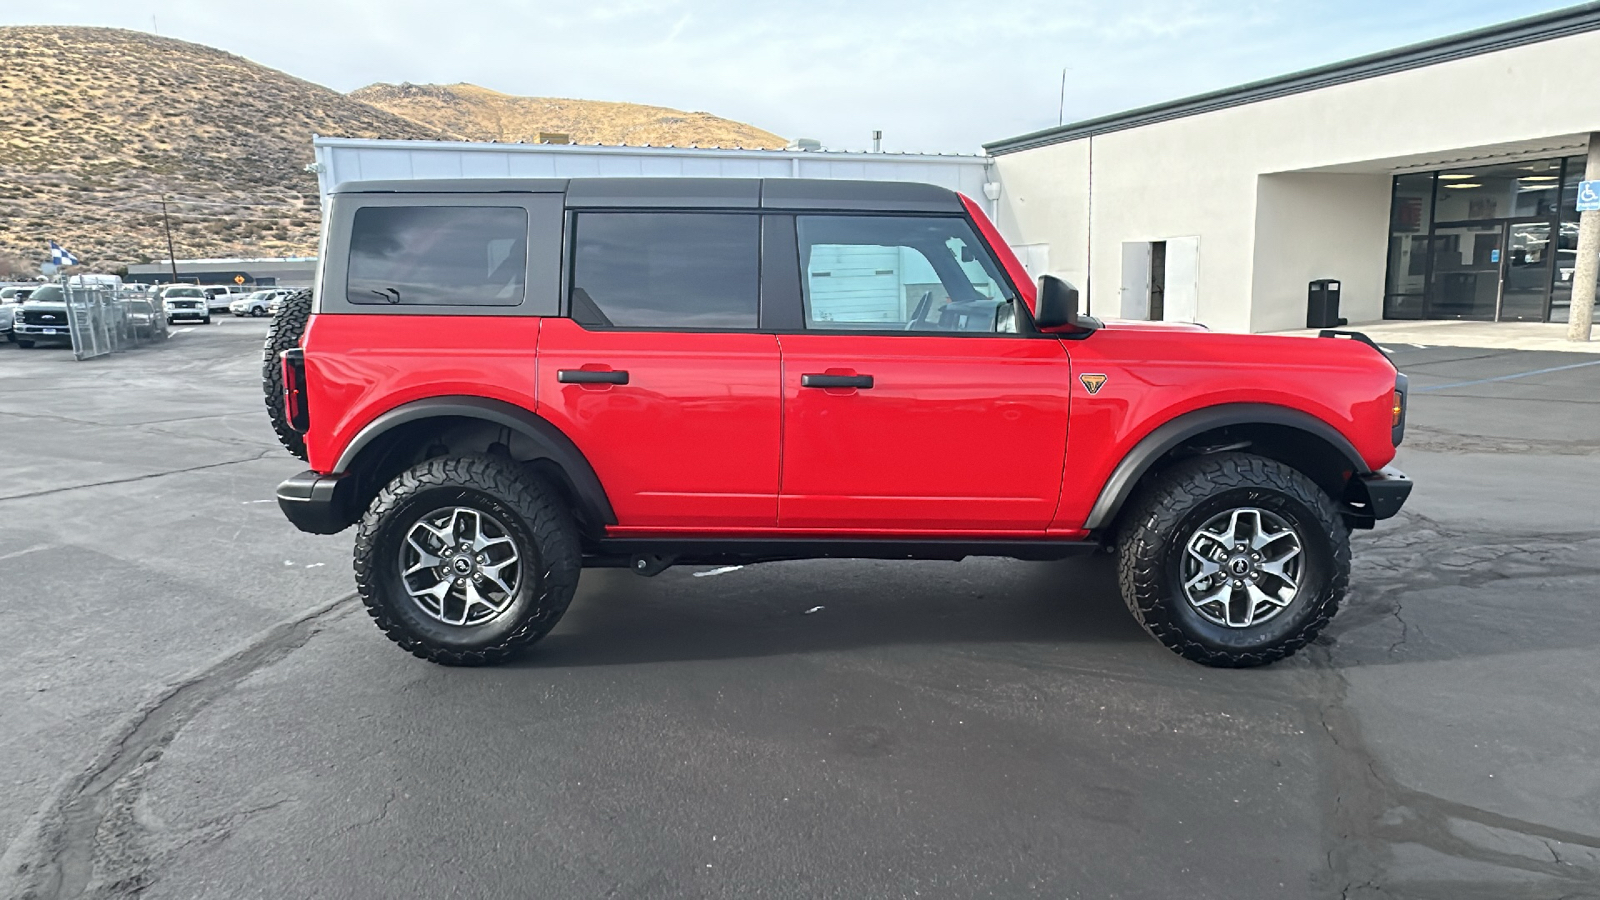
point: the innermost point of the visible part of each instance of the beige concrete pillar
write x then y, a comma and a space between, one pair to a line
1583, 277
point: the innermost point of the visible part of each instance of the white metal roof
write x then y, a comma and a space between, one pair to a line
340, 160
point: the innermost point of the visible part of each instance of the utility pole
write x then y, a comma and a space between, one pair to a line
172, 258
1061, 108
1581, 319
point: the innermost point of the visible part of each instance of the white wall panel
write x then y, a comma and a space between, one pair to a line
345, 159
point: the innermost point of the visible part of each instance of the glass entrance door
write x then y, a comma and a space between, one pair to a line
1466, 271
1527, 272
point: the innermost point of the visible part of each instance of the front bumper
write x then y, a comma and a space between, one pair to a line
1375, 495
42, 332
318, 504
187, 314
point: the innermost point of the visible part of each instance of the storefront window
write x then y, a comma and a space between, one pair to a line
1484, 242
1566, 252
1410, 221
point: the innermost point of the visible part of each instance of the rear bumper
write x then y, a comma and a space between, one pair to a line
317, 504
1375, 495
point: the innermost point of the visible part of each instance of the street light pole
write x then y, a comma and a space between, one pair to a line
172, 258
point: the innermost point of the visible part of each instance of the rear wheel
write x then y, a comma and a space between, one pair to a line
463, 560
1233, 560
284, 334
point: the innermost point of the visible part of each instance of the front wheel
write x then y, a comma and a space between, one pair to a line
26, 345
463, 560
1233, 560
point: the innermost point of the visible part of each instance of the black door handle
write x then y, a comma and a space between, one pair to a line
590, 376
836, 381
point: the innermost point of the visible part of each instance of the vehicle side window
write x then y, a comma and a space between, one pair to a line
438, 256
666, 270
901, 273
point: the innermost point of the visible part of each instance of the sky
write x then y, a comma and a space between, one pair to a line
934, 75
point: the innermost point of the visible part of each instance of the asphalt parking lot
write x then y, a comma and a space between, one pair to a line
191, 705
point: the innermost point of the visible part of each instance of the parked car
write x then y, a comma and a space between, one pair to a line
220, 296
11, 296
42, 319
186, 303
649, 372
272, 308
256, 303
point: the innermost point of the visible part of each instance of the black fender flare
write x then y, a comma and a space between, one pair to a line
1125, 477
550, 442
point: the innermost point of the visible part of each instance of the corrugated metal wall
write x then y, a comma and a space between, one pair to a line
345, 159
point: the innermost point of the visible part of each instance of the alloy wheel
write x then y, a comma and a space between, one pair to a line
460, 566
1243, 567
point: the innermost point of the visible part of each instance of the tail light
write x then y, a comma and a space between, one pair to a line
1397, 409
294, 389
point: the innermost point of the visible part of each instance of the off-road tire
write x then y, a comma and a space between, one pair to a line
283, 334
26, 345
545, 538
1163, 513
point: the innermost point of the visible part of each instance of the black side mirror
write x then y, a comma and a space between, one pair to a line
1056, 305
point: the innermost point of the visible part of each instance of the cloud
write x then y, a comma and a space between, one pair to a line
938, 75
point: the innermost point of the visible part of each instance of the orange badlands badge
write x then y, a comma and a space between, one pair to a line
1092, 383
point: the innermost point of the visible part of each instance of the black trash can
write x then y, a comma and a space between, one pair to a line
1322, 306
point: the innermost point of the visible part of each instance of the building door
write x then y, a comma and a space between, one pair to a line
1525, 288
1158, 281
1466, 271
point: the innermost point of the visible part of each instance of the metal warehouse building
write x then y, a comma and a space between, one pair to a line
1433, 181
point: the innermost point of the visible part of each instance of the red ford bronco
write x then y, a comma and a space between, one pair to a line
501, 382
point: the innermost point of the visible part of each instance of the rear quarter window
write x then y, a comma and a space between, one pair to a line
438, 256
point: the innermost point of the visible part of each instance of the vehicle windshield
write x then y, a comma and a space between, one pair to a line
50, 293
259, 295
185, 292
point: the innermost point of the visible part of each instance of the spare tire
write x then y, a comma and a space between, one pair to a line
284, 334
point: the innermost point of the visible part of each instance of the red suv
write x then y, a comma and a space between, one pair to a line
503, 382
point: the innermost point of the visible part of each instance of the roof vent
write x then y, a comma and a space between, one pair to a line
553, 137
804, 144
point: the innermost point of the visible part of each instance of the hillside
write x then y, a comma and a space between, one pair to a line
97, 123
480, 114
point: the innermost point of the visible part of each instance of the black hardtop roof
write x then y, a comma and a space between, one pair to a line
704, 193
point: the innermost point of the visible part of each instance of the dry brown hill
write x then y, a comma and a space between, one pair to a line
480, 114
96, 123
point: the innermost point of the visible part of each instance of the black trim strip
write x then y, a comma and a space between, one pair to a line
717, 549
1530, 30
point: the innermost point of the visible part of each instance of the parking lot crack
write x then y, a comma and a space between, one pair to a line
83, 841
78, 487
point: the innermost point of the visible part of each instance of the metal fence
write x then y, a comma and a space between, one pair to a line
103, 320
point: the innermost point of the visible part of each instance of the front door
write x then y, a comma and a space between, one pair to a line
660, 376
1525, 290
1466, 271
914, 400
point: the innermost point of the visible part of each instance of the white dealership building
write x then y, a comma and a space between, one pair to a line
1433, 181
1437, 180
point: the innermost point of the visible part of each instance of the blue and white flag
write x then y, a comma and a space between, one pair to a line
61, 256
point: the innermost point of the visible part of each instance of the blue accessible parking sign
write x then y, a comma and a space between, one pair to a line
1588, 196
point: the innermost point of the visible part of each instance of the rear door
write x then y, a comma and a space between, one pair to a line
660, 375
916, 399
